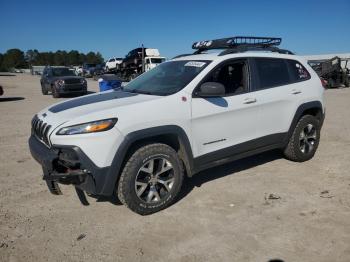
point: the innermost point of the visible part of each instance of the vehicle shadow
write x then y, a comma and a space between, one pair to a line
9, 99
6, 74
211, 174
226, 169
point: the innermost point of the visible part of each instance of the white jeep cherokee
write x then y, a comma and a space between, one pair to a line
188, 114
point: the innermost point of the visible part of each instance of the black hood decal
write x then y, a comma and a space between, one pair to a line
86, 100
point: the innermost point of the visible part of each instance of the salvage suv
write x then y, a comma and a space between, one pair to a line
186, 115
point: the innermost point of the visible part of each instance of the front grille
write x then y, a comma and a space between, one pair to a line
73, 87
41, 130
71, 81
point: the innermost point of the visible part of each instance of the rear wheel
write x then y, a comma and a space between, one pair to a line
151, 179
305, 139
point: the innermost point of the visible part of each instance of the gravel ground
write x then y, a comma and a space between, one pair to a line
257, 209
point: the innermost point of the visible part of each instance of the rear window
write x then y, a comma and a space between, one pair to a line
272, 72
298, 71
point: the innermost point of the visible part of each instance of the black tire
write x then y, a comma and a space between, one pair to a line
127, 188
301, 147
347, 82
331, 83
43, 90
55, 94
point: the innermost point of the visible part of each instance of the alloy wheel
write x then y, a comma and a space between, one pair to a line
307, 138
154, 180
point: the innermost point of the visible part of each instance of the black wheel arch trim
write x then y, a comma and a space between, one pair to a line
299, 113
119, 158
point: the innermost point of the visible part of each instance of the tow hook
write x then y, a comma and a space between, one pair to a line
74, 177
82, 197
53, 187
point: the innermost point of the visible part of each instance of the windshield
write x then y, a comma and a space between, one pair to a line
62, 72
157, 60
167, 78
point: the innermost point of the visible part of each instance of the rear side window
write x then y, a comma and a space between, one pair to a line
272, 72
298, 71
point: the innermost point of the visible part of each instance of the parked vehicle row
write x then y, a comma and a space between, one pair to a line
186, 115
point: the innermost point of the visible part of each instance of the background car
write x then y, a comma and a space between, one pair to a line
62, 80
88, 69
112, 63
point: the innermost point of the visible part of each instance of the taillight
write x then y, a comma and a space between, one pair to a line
324, 83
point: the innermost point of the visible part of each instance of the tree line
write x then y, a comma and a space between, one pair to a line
16, 58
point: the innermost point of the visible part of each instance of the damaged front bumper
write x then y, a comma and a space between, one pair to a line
68, 165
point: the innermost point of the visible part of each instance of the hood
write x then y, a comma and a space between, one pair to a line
91, 107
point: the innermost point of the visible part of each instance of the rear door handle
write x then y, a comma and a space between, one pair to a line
249, 101
295, 92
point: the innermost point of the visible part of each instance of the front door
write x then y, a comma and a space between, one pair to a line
225, 122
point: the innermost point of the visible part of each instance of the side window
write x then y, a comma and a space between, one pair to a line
232, 75
112, 60
272, 72
298, 71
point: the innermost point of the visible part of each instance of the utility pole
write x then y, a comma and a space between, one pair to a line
143, 59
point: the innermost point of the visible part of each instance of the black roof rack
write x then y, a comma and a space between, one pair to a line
239, 44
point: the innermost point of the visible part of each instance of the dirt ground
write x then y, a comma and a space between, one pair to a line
225, 213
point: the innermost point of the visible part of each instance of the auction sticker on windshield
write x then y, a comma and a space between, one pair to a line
195, 64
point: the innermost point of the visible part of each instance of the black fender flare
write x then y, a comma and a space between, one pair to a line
115, 169
300, 111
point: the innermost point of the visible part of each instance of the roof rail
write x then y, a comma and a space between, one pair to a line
239, 44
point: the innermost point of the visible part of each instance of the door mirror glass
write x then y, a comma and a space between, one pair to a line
211, 89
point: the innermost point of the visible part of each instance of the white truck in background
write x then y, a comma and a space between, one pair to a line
138, 61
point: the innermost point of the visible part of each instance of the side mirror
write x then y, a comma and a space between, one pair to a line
211, 89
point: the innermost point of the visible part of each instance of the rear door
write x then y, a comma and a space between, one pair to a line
222, 122
278, 98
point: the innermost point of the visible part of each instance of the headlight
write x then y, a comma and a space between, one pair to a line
83, 81
60, 82
91, 127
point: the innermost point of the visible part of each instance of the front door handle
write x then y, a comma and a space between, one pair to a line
295, 92
249, 100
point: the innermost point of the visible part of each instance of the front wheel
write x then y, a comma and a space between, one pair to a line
55, 93
151, 179
43, 89
304, 141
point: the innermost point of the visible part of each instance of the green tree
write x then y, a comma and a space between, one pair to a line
14, 58
1, 59
60, 58
99, 58
73, 57
31, 56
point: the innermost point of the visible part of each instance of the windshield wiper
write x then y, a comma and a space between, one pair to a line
137, 91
